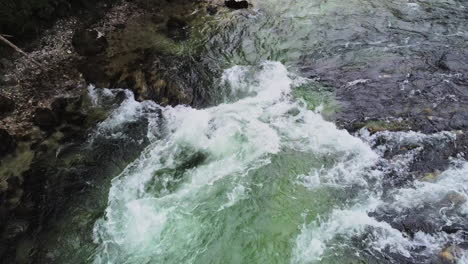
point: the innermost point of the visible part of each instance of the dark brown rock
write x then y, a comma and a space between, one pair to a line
45, 119
89, 43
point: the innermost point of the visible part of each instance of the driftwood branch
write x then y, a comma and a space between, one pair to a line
6, 41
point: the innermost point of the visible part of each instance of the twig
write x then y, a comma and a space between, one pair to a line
19, 50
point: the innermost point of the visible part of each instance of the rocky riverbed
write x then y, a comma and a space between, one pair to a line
391, 74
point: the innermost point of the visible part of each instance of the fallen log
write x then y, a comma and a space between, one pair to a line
6, 41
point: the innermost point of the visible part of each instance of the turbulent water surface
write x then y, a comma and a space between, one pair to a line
262, 177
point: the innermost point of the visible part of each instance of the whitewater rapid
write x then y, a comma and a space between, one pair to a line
259, 179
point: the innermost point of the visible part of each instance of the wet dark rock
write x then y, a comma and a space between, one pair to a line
69, 110
88, 42
459, 120
235, 4
45, 119
425, 87
120, 97
177, 28
75, 118
424, 219
167, 79
59, 105
6, 105
8, 143
72, 133
94, 72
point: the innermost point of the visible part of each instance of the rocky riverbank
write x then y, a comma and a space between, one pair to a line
46, 114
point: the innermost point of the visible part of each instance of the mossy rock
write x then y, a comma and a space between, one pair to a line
378, 126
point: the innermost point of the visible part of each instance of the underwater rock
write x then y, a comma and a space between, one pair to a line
89, 42
236, 4
45, 119
8, 143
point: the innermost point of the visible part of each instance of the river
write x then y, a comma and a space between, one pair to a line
263, 175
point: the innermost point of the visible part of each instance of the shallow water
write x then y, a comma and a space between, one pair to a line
262, 177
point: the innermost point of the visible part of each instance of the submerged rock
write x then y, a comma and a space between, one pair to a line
234, 4
89, 42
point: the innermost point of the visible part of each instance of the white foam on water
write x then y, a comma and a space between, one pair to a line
234, 138
128, 111
238, 193
203, 154
452, 181
317, 237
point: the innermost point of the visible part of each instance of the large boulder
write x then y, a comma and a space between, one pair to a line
89, 42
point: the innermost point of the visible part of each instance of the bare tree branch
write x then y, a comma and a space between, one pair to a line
6, 41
